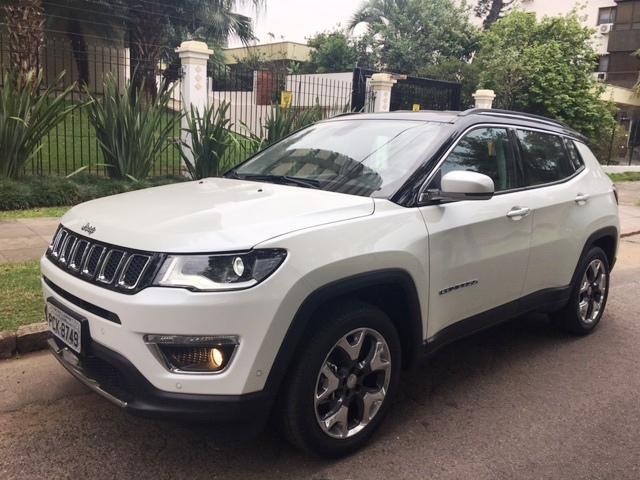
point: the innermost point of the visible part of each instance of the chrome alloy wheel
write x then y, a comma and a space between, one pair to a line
352, 383
592, 291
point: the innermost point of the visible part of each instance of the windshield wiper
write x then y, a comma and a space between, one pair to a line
280, 179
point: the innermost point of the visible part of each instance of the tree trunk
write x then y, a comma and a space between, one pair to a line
145, 37
494, 13
79, 48
25, 28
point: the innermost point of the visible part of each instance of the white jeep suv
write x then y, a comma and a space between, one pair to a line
301, 283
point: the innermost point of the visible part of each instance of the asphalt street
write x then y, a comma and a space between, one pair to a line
519, 401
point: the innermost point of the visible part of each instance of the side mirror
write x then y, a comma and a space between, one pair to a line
462, 185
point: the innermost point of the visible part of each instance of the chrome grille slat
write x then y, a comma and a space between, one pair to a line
92, 263
129, 278
110, 265
67, 248
80, 250
106, 265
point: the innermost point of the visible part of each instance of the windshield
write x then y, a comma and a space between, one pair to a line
359, 157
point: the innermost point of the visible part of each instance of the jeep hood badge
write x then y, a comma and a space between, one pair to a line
87, 227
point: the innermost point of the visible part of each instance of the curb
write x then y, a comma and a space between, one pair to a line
27, 338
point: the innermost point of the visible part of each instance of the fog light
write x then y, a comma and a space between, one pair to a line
207, 354
216, 358
238, 266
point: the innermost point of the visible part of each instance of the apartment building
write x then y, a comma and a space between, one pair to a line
617, 39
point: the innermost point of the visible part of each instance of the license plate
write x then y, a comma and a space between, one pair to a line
65, 327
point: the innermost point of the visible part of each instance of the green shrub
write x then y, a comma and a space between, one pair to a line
28, 111
132, 128
209, 139
33, 192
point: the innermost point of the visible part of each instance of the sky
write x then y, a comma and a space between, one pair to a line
297, 19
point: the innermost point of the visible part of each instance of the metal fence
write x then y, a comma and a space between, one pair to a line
408, 93
256, 97
72, 144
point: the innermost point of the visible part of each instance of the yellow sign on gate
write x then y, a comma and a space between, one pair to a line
286, 99
416, 107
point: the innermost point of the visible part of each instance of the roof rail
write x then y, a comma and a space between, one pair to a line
510, 113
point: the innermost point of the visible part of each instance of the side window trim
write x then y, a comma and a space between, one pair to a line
515, 145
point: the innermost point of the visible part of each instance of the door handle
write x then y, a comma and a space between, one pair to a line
581, 198
518, 212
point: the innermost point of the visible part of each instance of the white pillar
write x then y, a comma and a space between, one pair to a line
193, 85
484, 98
381, 84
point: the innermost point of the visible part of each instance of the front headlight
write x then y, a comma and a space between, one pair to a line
211, 273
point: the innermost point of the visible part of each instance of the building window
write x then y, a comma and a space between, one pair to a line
603, 63
606, 15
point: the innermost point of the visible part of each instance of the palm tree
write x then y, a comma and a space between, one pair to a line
156, 28
407, 35
25, 28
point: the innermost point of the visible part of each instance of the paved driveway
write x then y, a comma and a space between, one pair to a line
518, 401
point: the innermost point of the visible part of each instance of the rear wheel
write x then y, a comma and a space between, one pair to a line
588, 295
343, 381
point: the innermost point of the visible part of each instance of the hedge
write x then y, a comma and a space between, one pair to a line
33, 192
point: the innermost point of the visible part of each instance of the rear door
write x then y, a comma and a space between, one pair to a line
562, 194
478, 249
565, 194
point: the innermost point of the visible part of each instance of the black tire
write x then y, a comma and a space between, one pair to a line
570, 318
298, 406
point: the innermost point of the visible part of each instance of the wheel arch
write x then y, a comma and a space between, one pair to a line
385, 289
607, 239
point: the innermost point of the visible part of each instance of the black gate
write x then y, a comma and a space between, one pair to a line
409, 93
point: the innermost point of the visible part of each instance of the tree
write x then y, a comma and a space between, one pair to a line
152, 28
492, 10
333, 52
154, 25
25, 28
545, 67
73, 17
338, 51
409, 35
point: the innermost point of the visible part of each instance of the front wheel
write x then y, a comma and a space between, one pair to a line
343, 381
588, 294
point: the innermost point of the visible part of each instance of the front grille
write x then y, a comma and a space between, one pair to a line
109, 266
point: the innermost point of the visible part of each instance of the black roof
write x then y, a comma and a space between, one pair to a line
470, 117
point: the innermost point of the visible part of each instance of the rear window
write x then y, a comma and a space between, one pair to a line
574, 155
544, 157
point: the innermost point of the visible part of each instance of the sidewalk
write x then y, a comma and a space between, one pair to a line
25, 239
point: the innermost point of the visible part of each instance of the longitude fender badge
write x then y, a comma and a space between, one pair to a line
458, 286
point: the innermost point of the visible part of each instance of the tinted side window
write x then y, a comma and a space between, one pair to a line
486, 151
574, 155
544, 157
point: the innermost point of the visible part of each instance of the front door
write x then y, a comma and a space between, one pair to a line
478, 249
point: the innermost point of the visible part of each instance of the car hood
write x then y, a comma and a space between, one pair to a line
211, 215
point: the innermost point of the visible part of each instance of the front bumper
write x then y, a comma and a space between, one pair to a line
116, 379
120, 323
